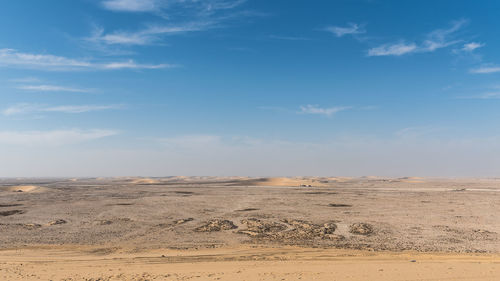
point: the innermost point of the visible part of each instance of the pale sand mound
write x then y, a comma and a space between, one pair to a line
145, 181
281, 182
23, 188
412, 179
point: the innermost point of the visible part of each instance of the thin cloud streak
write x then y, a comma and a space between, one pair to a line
398, 49
26, 108
314, 109
437, 39
202, 15
130, 5
485, 69
351, 28
52, 88
146, 36
13, 58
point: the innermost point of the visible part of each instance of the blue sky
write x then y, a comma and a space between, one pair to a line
258, 88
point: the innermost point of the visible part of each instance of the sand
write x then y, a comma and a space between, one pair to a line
209, 228
243, 263
23, 188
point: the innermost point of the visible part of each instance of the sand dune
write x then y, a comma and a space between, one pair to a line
23, 188
281, 182
144, 181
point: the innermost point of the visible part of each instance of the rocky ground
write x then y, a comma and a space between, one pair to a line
426, 215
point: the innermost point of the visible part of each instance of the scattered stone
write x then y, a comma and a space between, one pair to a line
289, 230
57, 222
361, 228
181, 221
31, 225
216, 225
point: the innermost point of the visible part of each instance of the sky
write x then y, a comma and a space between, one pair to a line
249, 88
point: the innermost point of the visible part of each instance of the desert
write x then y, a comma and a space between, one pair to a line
238, 228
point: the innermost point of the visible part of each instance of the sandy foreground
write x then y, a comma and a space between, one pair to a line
209, 228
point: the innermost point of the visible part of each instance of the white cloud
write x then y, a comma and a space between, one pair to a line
52, 138
201, 6
398, 49
13, 58
52, 88
130, 5
486, 69
314, 109
340, 31
437, 39
181, 16
469, 47
26, 108
490, 95
132, 65
146, 36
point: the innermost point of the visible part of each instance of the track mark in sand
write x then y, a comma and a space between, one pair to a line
319, 193
247, 210
184, 193
11, 212
9, 205
335, 205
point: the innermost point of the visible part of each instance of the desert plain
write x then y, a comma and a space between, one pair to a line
238, 228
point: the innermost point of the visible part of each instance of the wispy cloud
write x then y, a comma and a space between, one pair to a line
483, 96
26, 108
13, 58
469, 47
314, 109
351, 28
437, 39
52, 88
398, 49
182, 16
54, 137
485, 69
130, 5
145, 36
201, 6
